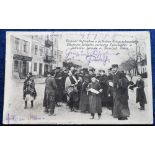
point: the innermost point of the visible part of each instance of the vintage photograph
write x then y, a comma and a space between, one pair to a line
78, 77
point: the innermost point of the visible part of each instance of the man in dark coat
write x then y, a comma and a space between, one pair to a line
84, 98
120, 94
49, 95
103, 81
140, 93
59, 82
95, 105
110, 90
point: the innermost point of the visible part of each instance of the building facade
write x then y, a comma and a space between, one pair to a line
34, 53
21, 53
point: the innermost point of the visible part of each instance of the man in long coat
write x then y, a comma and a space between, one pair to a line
120, 94
140, 93
103, 81
84, 99
49, 95
60, 88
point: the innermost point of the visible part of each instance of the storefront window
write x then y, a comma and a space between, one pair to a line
15, 66
16, 44
41, 51
35, 67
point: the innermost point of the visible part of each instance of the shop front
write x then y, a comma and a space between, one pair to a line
21, 65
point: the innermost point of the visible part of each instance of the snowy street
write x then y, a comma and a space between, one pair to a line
18, 115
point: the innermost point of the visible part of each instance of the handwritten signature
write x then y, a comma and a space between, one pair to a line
90, 55
16, 118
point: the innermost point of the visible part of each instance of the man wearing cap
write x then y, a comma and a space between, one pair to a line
120, 94
50, 92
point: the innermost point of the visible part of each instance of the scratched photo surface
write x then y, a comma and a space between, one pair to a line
78, 77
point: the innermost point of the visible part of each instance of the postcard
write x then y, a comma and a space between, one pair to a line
48, 75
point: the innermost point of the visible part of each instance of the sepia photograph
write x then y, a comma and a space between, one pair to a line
78, 78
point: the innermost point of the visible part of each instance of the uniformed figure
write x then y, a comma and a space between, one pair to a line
50, 94
120, 94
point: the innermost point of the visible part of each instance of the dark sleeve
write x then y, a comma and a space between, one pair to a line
54, 84
24, 89
141, 84
123, 83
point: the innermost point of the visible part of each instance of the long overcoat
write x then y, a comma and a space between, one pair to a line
120, 96
95, 105
140, 93
50, 92
84, 98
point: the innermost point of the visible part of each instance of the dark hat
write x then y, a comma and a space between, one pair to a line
92, 69
57, 67
93, 75
30, 74
102, 70
80, 75
52, 73
85, 69
115, 65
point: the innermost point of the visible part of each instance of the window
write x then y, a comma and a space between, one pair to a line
25, 46
35, 67
41, 51
16, 44
59, 58
15, 66
47, 52
36, 49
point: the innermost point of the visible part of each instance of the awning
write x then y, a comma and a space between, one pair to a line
22, 57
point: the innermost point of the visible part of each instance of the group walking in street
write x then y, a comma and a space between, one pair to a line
85, 91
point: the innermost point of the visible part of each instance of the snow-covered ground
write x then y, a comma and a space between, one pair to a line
16, 114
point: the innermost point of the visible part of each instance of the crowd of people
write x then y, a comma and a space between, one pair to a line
86, 91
